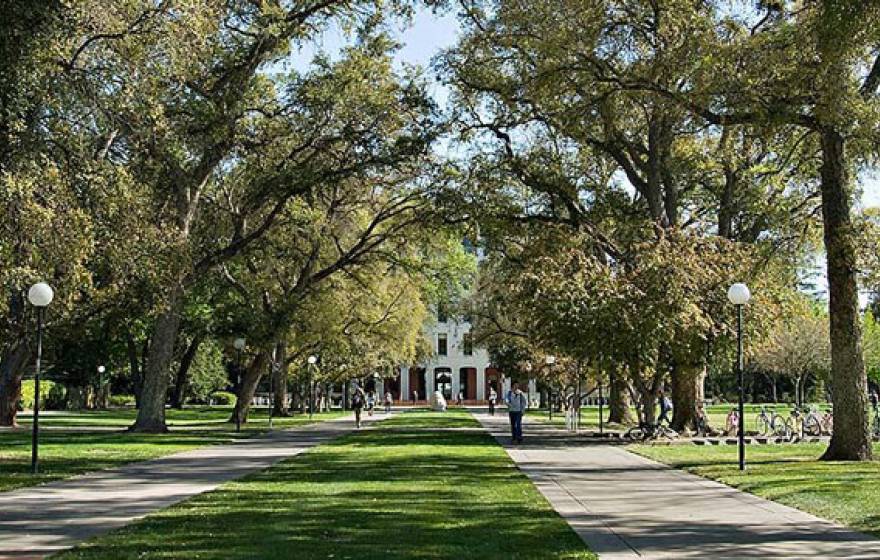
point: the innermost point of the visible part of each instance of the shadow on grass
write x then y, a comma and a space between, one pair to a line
410, 492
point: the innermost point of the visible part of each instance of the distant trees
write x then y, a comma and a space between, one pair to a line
798, 348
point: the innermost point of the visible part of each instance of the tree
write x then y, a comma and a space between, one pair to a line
543, 96
797, 347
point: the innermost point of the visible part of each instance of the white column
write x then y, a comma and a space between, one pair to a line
405, 393
456, 383
380, 390
533, 391
429, 382
505, 388
481, 384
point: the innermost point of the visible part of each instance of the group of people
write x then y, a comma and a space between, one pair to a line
516, 400
366, 400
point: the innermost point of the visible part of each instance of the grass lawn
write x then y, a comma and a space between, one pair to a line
195, 417
67, 452
409, 489
846, 492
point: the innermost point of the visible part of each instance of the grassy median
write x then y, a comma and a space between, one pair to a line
420, 485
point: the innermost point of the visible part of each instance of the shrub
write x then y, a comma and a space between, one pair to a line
26, 401
223, 397
122, 400
56, 397
207, 374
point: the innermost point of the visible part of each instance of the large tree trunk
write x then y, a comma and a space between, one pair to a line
248, 387
648, 398
619, 405
12, 367
851, 439
151, 414
280, 380
178, 396
687, 390
136, 367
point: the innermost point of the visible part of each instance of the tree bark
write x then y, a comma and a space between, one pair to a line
134, 363
851, 439
687, 389
280, 382
151, 414
619, 405
178, 396
648, 399
12, 368
249, 381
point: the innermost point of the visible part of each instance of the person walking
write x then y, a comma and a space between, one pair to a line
459, 400
665, 408
357, 404
371, 402
493, 398
388, 401
516, 406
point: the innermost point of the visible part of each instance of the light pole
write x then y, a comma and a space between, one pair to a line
239, 345
550, 360
739, 295
313, 360
40, 295
272, 369
101, 383
601, 411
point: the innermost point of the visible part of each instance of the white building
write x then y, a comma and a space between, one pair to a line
457, 366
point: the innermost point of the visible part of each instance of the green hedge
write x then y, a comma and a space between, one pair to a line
122, 400
26, 402
223, 397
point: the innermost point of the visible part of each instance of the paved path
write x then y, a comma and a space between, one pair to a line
44, 519
625, 506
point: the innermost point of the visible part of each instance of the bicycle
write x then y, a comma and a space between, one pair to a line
792, 427
646, 431
828, 422
763, 422
812, 424
773, 423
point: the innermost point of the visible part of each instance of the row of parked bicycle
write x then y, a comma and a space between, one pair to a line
799, 423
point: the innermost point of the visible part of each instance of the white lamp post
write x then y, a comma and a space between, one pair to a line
239, 344
101, 384
313, 360
739, 295
40, 295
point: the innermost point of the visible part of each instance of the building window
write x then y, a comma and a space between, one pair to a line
441, 344
468, 344
442, 314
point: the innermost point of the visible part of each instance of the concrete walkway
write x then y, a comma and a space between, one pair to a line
625, 506
38, 521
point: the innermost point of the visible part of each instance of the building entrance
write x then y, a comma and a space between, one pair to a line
443, 383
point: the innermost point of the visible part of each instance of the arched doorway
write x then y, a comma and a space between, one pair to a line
443, 382
417, 388
468, 382
493, 381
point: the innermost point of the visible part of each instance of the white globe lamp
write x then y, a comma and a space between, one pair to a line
40, 294
739, 294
